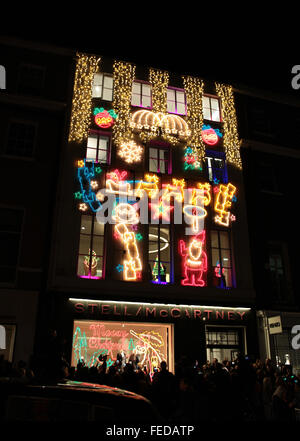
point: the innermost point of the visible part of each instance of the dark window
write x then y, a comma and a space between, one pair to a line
31, 80
277, 267
91, 248
221, 259
21, 139
260, 121
269, 178
11, 222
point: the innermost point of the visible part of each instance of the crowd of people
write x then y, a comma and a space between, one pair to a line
216, 391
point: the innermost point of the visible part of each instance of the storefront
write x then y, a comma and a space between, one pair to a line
153, 332
276, 338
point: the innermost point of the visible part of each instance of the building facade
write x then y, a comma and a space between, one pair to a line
33, 102
150, 252
269, 126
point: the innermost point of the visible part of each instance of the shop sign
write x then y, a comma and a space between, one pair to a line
275, 326
123, 311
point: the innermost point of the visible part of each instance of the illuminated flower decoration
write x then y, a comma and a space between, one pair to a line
83, 207
130, 151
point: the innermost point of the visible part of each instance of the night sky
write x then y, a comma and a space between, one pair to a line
260, 62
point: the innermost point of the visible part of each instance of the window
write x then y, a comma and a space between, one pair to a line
269, 178
91, 248
216, 167
260, 121
11, 223
21, 139
211, 108
8, 331
98, 148
103, 86
159, 254
31, 79
277, 273
159, 160
176, 101
221, 259
224, 343
141, 94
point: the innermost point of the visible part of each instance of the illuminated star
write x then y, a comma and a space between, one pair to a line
78, 195
139, 236
234, 198
83, 207
233, 218
119, 268
161, 210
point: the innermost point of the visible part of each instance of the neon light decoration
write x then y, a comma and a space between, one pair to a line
195, 260
90, 267
104, 118
148, 343
176, 190
223, 202
190, 160
130, 152
85, 174
161, 210
195, 209
149, 186
126, 215
210, 136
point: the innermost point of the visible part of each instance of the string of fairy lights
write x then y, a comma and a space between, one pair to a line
86, 67
194, 93
231, 140
123, 76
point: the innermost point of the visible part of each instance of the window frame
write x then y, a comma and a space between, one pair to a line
168, 161
210, 97
100, 134
158, 227
104, 75
92, 237
176, 89
212, 154
219, 248
141, 83
22, 121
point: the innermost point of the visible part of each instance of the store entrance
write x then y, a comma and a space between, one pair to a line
224, 343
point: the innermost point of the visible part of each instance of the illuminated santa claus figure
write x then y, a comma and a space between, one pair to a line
195, 260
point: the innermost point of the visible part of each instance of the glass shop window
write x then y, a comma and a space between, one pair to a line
103, 86
141, 95
98, 148
221, 259
176, 101
159, 254
159, 160
211, 108
91, 248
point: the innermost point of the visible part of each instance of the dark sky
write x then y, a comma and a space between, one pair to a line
261, 63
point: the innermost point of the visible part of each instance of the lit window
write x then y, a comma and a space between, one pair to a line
211, 109
176, 101
91, 248
159, 160
98, 148
216, 167
159, 254
11, 222
141, 95
103, 87
221, 259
